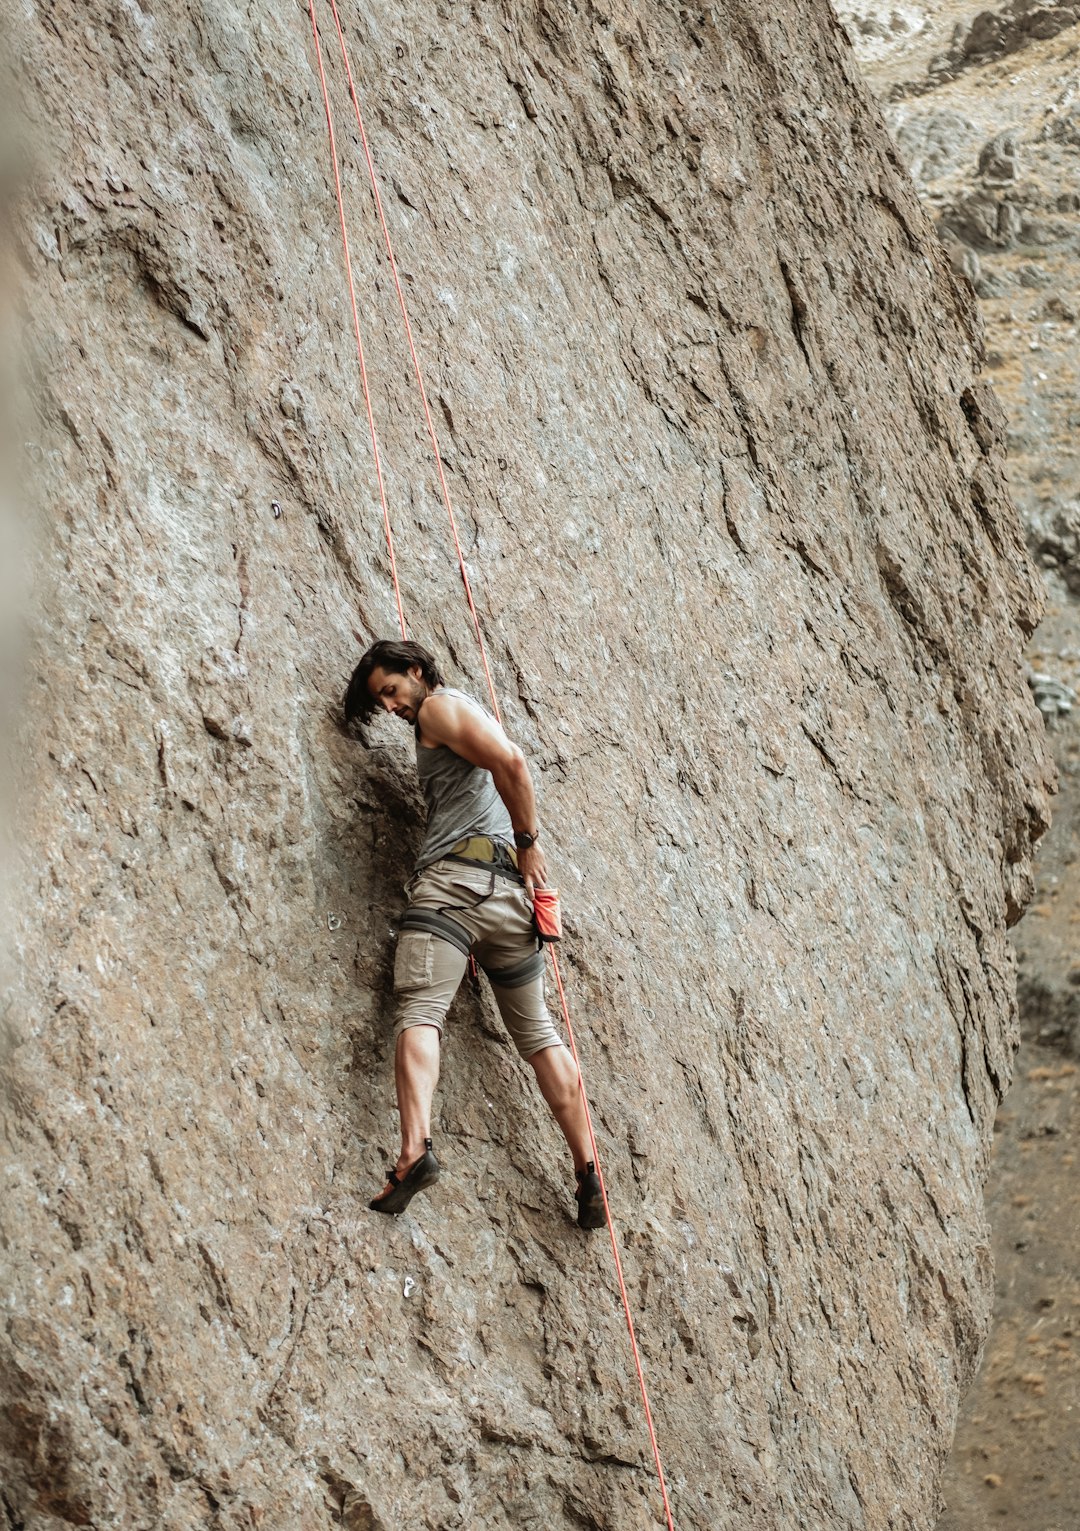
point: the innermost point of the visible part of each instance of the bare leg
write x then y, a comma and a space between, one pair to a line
416, 1073
557, 1076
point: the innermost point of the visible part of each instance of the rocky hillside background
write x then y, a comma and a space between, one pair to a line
985, 107
712, 406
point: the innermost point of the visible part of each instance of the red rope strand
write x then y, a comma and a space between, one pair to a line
416, 363
356, 322
614, 1243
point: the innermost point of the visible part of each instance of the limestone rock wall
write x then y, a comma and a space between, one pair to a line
731, 490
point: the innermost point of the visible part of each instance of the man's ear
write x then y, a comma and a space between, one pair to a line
416, 672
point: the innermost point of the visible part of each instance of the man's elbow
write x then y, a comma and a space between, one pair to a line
513, 769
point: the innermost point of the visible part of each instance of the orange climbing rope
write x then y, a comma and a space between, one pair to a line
356, 325
416, 362
476, 624
614, 1246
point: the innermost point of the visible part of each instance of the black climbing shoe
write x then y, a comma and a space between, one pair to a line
590, 1198
423, 1173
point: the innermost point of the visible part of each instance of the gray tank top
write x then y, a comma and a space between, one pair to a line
461, 798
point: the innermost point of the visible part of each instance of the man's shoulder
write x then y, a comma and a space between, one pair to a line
435, 703
446, 702
441, 711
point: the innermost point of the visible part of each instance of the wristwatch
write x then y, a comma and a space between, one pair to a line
524, 840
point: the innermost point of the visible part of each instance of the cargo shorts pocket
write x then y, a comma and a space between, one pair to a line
413, 960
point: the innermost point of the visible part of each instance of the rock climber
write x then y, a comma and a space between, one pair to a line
470, 892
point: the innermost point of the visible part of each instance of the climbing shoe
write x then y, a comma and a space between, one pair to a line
423, 1173
590, 1198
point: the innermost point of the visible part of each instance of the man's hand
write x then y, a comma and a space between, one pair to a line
533, 868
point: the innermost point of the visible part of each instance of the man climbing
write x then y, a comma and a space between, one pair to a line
471, 892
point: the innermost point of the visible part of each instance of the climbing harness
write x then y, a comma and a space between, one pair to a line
422, 918
482, 850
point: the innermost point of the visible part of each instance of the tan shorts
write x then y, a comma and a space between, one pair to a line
469, 908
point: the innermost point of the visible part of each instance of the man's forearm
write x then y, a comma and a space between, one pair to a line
514, 785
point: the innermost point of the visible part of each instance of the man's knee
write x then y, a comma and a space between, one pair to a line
418, 1018
556, 1071
418, 1036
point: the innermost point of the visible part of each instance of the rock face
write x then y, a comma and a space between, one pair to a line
732, 499
995, 153
991, 140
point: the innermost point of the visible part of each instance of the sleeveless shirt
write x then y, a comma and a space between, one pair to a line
461, 798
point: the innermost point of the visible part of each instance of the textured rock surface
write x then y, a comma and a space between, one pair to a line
1003, 135
996, 154
733, 501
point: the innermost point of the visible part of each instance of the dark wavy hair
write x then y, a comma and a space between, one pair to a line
394, 655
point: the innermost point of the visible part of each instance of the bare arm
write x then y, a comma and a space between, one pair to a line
481, 741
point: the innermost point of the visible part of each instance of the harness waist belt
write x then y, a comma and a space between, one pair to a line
482, 849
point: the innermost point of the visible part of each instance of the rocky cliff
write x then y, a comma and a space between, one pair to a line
732, 498
994, 146
983, 104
